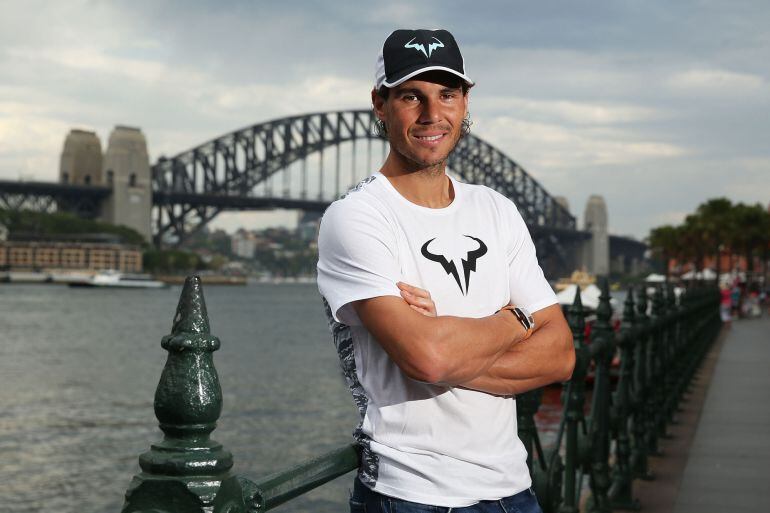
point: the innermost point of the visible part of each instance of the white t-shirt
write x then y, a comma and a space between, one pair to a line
432, 444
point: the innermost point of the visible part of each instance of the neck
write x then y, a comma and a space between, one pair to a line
428, 186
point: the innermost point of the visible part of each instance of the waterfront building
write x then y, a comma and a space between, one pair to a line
243, 243
36, 255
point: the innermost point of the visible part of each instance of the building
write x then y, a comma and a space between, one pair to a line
243, 244
124, 168
32, 255
596, 253
81, 159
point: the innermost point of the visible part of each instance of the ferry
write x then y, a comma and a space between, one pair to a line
118, 280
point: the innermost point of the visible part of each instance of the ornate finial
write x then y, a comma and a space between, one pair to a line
191, 315
641, 305
670, 296
629, 317
604, 310
577, 320
657, 301
186, 465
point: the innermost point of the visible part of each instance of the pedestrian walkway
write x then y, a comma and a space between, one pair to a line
728, 467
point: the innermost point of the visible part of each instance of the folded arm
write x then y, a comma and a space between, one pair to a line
445, 350
547, 356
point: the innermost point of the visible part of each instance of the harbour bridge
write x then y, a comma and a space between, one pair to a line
305, 162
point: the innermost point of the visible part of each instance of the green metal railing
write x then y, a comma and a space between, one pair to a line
660, 347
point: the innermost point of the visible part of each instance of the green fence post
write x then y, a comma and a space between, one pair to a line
622, 493
574, 399
642, 381
660, 357
527, 405
184, 472
602, 349
653, 371
673, 370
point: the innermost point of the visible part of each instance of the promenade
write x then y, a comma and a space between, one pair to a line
717, 455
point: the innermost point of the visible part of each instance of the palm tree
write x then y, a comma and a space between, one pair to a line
664, 241
752, 232
717, 224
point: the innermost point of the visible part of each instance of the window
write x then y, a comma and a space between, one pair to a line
65, 177
87, 179
110, 176
132, 180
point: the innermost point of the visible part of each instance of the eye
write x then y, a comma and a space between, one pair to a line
410, 98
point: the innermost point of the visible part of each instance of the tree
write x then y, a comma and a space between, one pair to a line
716, 220
664, 242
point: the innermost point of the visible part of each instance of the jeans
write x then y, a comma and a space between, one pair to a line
364, 500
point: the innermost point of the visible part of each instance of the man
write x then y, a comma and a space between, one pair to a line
420, 274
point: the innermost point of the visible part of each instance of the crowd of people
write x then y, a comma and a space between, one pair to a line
742, 299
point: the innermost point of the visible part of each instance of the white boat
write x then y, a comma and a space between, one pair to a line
115, 279
25, 277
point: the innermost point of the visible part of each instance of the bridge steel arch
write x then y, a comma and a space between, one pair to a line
191, 188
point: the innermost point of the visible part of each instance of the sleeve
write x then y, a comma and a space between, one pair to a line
356, 258
528, 286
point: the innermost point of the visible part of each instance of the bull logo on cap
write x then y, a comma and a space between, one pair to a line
421, 47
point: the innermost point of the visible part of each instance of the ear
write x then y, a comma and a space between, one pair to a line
378, 103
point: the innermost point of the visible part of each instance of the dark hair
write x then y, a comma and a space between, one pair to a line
381, 131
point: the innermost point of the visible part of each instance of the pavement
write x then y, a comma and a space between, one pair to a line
728, 468
716, 457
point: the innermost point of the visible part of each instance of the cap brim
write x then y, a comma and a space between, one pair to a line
423, 69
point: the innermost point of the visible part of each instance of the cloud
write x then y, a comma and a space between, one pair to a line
583, 97
548, 146
566, 111
716, 81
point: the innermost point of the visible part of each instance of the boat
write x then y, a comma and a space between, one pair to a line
24, 277
206, 279
118, 280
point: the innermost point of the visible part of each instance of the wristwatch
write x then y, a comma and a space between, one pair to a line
524, 317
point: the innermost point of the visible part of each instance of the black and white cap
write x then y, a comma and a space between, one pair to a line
407, 53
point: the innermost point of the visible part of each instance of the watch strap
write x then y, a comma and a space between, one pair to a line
524, 318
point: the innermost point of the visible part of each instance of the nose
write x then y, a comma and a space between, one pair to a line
431, 112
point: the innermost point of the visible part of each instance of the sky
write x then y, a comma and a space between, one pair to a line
655, 105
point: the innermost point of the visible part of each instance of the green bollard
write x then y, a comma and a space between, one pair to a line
184, 472
602, 349
574, 399
622, 479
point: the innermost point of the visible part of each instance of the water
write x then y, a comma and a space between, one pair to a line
79, 367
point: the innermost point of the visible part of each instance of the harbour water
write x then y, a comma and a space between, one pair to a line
79, 369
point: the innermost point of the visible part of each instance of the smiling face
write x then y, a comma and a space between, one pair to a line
424, 119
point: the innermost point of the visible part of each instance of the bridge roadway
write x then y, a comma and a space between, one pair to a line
716, 458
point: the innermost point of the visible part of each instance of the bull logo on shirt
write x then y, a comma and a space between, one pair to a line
468, 263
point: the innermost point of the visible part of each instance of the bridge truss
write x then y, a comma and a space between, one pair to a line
82, 200
285, 163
